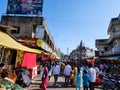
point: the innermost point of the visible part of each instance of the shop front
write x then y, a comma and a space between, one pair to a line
14, 54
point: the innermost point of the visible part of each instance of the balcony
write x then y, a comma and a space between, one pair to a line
106, 53
116, 50
107, 41
114, 35
101, 41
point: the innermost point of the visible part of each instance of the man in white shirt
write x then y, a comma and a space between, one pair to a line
67, 71
92, 73
56, 71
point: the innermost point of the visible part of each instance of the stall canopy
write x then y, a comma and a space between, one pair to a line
7, 27
7, 41
110, 57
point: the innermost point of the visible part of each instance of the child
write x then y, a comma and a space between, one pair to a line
86, 79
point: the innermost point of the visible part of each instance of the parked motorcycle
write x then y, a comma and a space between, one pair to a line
110, 82
23, 78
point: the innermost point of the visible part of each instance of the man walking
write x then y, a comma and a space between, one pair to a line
67, 71
56, 71
92, 73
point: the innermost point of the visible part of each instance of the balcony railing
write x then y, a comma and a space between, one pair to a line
107, 41
105, 53
114, 35
116, 50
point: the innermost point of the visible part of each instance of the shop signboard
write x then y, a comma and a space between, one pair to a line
26, 7
31, 42
39, 31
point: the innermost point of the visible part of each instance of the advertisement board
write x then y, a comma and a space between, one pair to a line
31, 42
26, 7
39, 31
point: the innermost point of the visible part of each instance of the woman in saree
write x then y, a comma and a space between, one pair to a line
45, 80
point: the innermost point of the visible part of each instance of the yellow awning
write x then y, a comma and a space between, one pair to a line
7, 41
7, 27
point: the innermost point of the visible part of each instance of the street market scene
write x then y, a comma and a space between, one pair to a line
33, 58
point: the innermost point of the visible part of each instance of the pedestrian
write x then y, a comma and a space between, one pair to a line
56, 71
9, 83
78, 79
86, 80
50, 69
44, 83
92, 73
72, 78
42, 72
67, 71
62, 67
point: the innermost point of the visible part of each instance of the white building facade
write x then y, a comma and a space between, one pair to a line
110, 46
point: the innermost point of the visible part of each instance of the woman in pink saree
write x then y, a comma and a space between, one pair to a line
45, 81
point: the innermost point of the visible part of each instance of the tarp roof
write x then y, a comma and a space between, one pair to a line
110, 57
7, 27
7, 41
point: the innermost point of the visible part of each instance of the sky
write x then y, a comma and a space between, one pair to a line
70, 21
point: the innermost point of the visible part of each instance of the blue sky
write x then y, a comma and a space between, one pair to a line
70, 21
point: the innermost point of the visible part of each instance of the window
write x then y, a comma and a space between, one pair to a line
16, 31
105, 48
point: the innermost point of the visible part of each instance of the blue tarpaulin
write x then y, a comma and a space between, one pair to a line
110, 57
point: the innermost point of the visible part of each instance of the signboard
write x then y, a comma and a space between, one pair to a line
31, 42
28, 7
39, 31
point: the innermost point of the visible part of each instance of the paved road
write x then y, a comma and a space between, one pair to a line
60, 85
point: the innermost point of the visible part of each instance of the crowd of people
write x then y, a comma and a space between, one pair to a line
76, 73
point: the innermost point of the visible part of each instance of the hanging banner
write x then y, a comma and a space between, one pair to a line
45, 56
29, 60
19, 58
28, 7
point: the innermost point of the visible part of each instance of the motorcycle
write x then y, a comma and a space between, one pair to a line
110, 82
23, 78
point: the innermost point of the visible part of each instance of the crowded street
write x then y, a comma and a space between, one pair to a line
59, 45
59, 86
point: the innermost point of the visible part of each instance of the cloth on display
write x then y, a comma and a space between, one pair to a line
29, 60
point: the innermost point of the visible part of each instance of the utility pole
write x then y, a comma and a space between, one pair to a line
67, 50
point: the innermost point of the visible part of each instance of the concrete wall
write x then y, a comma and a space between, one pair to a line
25, 23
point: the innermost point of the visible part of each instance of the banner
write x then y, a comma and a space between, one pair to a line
45, 56
19, 58
28, 7
29, 60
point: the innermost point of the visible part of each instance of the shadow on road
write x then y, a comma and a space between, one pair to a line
58, 85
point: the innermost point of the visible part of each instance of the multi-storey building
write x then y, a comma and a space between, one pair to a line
110, 46
31, 31
82, 52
